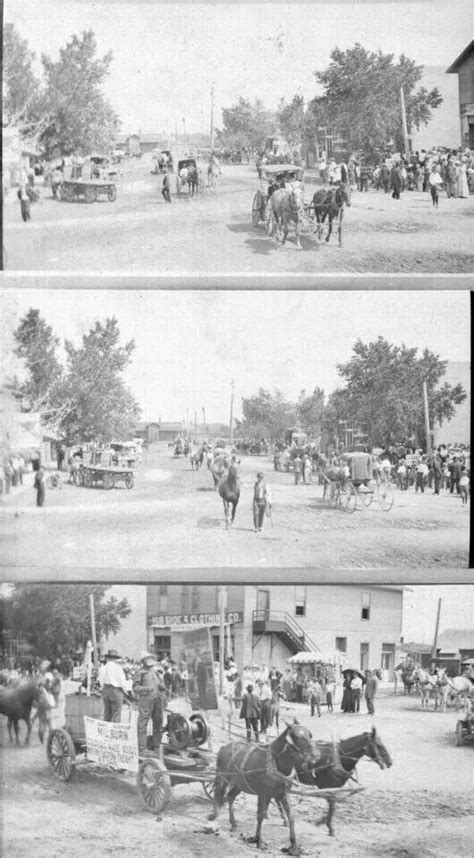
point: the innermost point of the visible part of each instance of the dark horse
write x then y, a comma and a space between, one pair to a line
16, 702
264, 772
229, 490
286, 207
330, 204
337, 763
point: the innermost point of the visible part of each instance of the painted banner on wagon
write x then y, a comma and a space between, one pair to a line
114, 745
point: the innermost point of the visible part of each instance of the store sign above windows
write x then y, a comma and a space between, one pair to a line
184, 621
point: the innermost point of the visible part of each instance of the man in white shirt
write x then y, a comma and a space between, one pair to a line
435, 182
356, 689
422, 471
113, 683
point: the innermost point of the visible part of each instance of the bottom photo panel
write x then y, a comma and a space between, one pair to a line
190, 719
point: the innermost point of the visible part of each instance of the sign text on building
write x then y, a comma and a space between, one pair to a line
185, 620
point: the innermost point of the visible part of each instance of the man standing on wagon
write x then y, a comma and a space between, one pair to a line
150, 691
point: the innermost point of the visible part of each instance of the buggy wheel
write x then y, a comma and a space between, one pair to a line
88, 479
366, 497
112, 193
154, 785
333, 497
349, 498
129, 480
459, 737
109, 481
67, 194
209, 788
61, 754
90, 195
256, 208
385, 497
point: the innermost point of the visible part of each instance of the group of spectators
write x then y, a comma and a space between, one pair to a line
13, 472
356, 684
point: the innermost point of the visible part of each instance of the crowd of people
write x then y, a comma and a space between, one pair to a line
15, 466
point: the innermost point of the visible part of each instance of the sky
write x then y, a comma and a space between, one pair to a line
420, 605
168, 56
191, 344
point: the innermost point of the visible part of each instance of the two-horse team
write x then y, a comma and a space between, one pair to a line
287, 207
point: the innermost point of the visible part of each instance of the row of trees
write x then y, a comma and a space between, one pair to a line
54, 619
382, 391
359, 101
84, 397
64, 108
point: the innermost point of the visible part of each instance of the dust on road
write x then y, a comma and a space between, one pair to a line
173, 518
214, 233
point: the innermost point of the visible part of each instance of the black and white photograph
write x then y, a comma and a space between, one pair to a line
238, 138
236, 592
357, 700
236, 429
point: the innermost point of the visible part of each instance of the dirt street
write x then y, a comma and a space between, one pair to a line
213, 232
173, 518
422, 807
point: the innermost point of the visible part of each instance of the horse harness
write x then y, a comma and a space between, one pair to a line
270, 766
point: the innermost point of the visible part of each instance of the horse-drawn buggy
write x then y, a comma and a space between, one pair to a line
187, 176
109, 468
465, 725
90, 180
185, 757
272, 177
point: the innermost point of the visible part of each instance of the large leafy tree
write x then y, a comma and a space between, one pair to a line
36, 345
55, 618
310, 411
246, 124
101, 407
80, 118
20, 85
266, 414
291, 117
384, 384
361, 99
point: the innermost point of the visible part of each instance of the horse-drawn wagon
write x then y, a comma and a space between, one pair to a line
186, 169
465, 724
185, 758
89, 180
106, 467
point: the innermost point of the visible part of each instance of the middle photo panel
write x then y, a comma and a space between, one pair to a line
180, 430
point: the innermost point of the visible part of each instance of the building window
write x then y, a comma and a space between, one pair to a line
185, 599
163, 598
195, 599
300, 601
341, 644
364, 656
365, 612
162, 645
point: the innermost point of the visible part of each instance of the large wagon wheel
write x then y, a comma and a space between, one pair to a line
90, 195
61, 754
87, 479
67, 194
385, 497
209, 788
154, 785
112, 193
129, 480
349, 498
459, 738
258, 202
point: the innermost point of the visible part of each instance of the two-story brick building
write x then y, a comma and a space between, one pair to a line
464, 68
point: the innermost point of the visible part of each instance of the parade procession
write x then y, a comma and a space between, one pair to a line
205, 717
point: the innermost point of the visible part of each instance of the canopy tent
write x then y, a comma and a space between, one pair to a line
329, 657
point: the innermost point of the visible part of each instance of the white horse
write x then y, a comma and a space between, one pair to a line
460, 689
428, 687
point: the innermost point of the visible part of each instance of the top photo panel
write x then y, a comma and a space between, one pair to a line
266, 139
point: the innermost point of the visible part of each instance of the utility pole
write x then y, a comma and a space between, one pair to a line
212, 119
427, 419
435, 640
222, 595
93, 631
404, 123
232, 385
204, 420
195, 425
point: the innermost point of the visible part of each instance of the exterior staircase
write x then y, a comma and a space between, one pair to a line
285, 628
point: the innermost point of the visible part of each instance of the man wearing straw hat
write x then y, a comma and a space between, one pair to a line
113, 683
